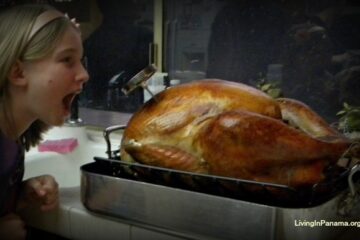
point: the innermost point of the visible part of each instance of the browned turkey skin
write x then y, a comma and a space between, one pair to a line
230, 129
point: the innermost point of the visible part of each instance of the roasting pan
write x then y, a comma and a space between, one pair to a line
201, 206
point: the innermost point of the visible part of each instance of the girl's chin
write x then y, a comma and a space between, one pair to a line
57, 118
57, 121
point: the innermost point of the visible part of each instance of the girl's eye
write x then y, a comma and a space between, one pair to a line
67, 60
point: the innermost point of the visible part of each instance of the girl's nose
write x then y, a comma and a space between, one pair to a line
83, 75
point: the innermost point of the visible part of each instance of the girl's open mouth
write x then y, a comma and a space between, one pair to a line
67, 101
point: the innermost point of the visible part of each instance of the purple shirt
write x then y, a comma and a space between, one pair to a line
11, 173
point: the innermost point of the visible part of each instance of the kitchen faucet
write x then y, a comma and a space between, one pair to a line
74, 119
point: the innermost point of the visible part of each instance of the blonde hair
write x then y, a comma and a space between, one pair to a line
16, 24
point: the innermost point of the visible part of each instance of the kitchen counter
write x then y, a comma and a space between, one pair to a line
72, 220
103, 118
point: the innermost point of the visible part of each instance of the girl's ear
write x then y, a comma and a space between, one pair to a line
16, 74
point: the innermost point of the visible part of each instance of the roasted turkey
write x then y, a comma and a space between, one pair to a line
230, 129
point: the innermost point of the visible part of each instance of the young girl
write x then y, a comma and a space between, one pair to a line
40, 74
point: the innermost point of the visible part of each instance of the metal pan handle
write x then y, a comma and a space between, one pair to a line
106, 134
354, 170
348, 202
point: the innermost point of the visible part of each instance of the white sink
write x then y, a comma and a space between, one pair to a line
66, 170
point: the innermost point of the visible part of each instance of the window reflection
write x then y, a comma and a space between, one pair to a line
116, 51
245, 37
309, 49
